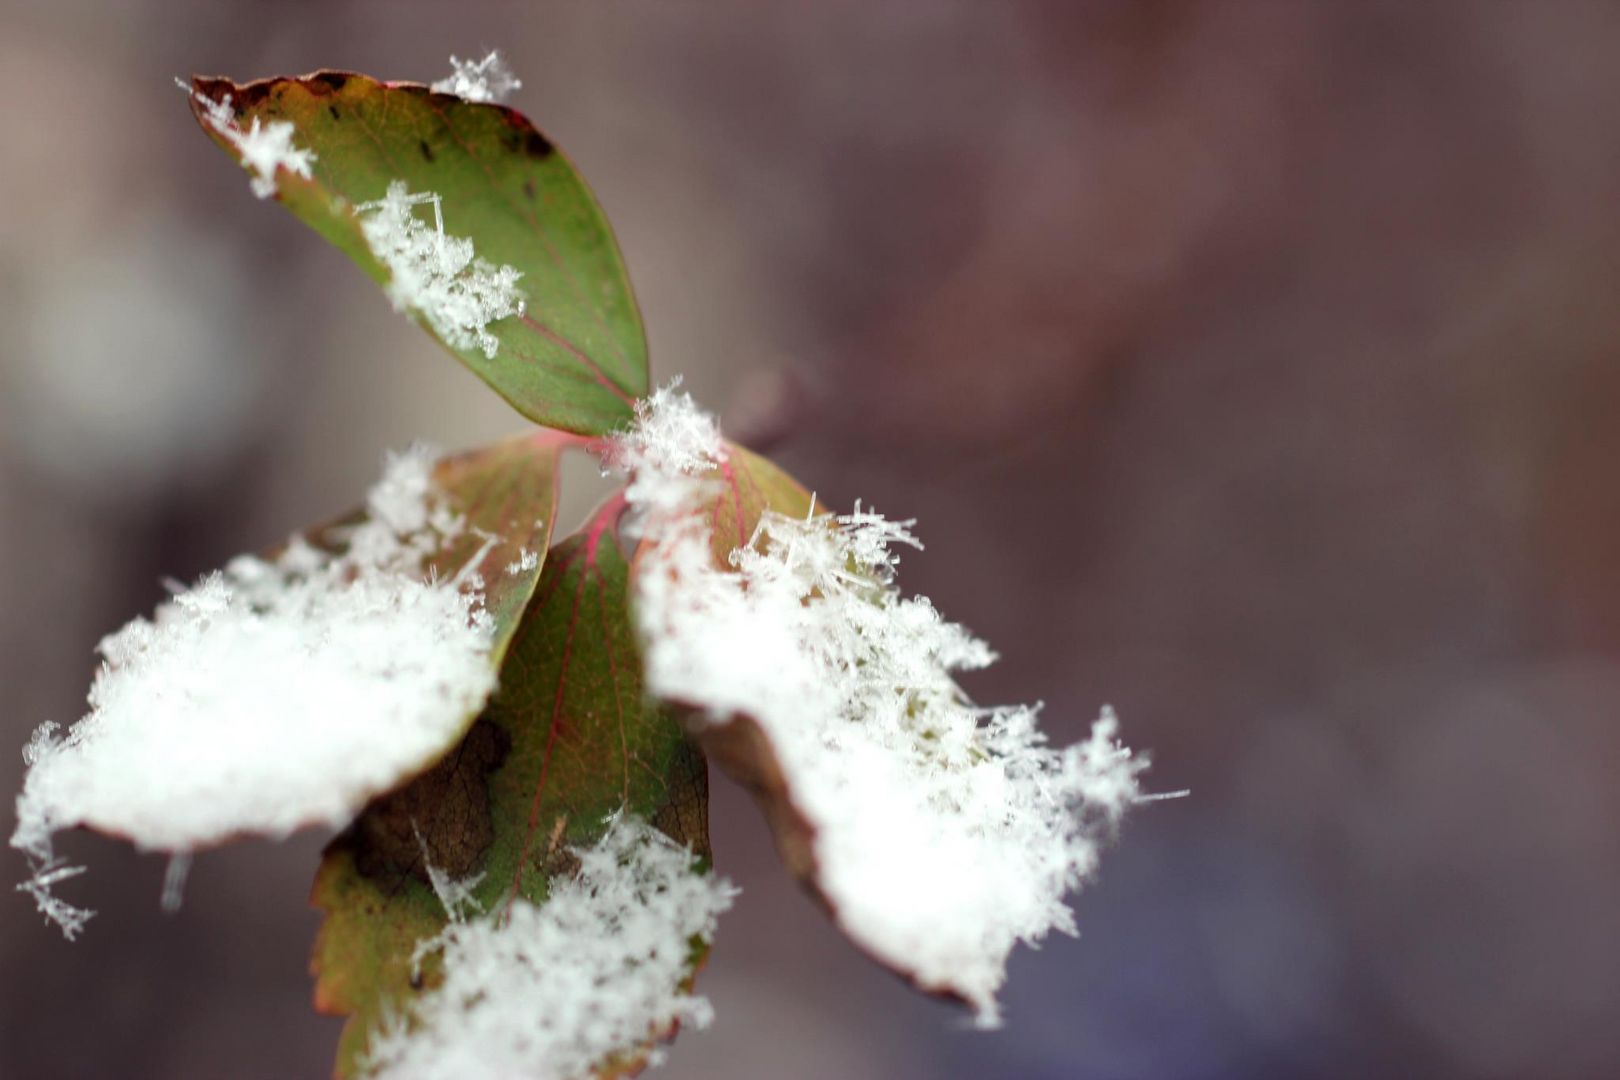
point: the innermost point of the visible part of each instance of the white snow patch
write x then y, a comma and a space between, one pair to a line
550, 991
944, 833
437, 275
264, 148
668, 455
488, 79
270, 695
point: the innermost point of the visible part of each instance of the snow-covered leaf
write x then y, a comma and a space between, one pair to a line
288, 690
568, 741
505, 495
490, 239
939, 834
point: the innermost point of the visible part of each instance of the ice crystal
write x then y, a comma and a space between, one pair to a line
437, 275
669, 455
488, 79
527, 560
264, 148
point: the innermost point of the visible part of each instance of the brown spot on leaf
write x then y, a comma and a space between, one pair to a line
528, 188
537, 145
333, 109
334, 81
427, 151
446, 810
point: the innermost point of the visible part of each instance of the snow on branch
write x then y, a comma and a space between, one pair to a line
263, 148
943, 833
437, 275
271, 695
488, 79
553, 990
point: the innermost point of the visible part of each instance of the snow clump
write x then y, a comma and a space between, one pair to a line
551, 991
436, 275
488, 79
275, 694
264, 147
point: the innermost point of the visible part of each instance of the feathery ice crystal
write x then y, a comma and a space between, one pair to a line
943, 833
439, 276
552, 990
271, 695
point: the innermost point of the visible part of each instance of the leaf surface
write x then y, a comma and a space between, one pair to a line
577, 357
568, 739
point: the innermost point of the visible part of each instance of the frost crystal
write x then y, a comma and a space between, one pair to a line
488, 79
944, 834
667, 454
270, 695
551, 991
438, 276
527, 560
264, 148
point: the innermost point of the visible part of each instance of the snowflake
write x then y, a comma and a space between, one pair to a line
488, 79
264, 148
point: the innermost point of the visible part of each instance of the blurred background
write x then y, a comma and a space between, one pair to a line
1250, 366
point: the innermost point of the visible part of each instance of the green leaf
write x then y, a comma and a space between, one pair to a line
568, 739
577, 357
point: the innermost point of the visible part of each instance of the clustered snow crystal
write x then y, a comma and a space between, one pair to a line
264, 148
553, 990
944, 833
271, 695
488, 79
439, 276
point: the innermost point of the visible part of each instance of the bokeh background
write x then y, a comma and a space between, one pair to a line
1249, 365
